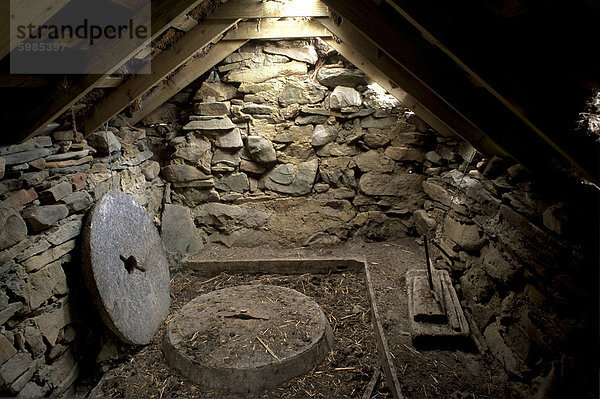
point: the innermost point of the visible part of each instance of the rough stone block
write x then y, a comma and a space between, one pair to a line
26, 156
46, 216
502, 352
555, 218
7, 350
12, 227
213, 108
178, 231
306, 54
323, 135
182, 173
210, 124
104, 142
336, 76
467, 236
236, 182
259, 75
342, 97
51, 322
291, 179
14, 367
216, 91
37, 262
373, 183
56, 193
48, 281
374, 161
261, 150
423, 222
78, 201
231, 140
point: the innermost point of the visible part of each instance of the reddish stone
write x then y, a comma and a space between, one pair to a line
21, 198
79, 181
39, 164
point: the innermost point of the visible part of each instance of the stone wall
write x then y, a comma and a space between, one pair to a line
281, 145
523, 264
49, 330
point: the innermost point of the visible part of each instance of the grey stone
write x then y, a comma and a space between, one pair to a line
498, 265
374, 183
182, 173
196, 151
9, 311
336, 76
12, 227
227, 218
138, 159
61, 374
401, 153
150, 170
293, 133
376, 138
216, 91
33, 337
502, 352
26, 156
37, 262
46, 216
337, 172
433, 157
178, 231
411, 138
555, 218
260, 109
467, 236
78, 201
13, 368
56, 192
104, 142
68, 155
71, 228
266, 72
203, 184
301, 92
125, 265
236, 182
7, 350
323, 135
337, 150
31, 390
310, 119
213, 108
2, 167
231, 140
261, 150
378, 123
210, 124
252, 167
291, 179
193, 197
306, 54
436, 192
342, 97
227, 158
423, 222
374, 161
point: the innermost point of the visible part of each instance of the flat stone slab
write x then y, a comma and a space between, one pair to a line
247, 338
125, 268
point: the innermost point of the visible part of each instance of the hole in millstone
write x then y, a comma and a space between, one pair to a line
130, 263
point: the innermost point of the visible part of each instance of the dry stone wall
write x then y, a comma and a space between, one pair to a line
48, 328
283, 144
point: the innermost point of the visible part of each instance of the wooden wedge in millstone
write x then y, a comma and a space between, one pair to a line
125, 268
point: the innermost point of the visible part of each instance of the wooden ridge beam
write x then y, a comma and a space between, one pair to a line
274, 29
189, 72
448, 82
57, 102
165, 63
269, 9
25, 12
356, 48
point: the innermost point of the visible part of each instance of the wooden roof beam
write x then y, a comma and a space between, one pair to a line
189, 72
255, 9
165, 63
271, 28
55, 104
449, 83
357, 49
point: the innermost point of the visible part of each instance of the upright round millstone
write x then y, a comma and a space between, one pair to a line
125, 268
247, 338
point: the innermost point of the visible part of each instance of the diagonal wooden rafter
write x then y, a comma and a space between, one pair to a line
25, 12
56, 103
357, 49
271, 9
189, 72
165, 63
449, 83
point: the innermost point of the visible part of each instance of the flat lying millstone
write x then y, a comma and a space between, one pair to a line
125, 268
247, 338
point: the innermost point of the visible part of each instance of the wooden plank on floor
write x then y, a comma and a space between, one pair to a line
189, 72
273, 29
52, 106
269, 9
165, 63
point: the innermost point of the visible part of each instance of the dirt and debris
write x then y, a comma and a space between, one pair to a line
352, 363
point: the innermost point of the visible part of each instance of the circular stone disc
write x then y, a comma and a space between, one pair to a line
125, 268
247, 338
